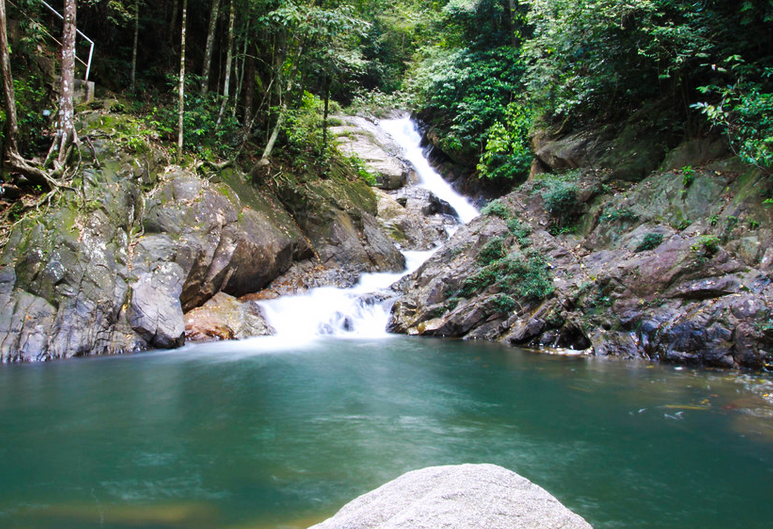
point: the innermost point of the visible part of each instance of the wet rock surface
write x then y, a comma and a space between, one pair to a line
226, 318
363, 139
461, 496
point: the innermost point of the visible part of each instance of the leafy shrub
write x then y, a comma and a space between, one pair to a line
621, 214
504, 303
496, 208
650, 242
561, 200
493, 250
507, 155
706, 246
745, 113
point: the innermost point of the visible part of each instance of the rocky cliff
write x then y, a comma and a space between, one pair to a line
606, 256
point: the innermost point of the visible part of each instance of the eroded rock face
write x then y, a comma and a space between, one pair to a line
657, 269
459, 496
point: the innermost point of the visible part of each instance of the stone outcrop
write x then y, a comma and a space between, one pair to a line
361, 138
461, 496
114, 267
226, 318
676, 267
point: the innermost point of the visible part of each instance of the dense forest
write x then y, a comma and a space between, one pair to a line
252, 75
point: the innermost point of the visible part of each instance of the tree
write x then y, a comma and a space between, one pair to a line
65, 134
181, 86
11, 156
214, 12
228, 63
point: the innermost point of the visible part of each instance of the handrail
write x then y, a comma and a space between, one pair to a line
91, 49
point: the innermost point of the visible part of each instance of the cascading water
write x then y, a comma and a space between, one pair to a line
407, 136
363, 310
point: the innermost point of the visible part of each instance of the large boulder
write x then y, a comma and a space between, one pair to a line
462, 497
360, 138
226, 318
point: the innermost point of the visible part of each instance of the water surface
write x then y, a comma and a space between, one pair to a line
254, 434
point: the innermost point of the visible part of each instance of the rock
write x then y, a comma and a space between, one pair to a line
380, 154
225, 318
411, 220
462, 497
702, 295
155, 312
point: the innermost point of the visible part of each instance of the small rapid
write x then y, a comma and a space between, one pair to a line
358, 312
363, 310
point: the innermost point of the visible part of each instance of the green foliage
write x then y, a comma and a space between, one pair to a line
471, 90
507, 155
706, 246
649, 242
303, 127
362, 170
620, 214
524, 276
496, 208
31, 102
504, 303
688, 176
203, 132
518, 229
561, 200
493, 250
745, 112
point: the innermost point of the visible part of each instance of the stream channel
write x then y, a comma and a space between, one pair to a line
280, 432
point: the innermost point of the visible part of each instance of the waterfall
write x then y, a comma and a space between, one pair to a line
363, 310
405, 134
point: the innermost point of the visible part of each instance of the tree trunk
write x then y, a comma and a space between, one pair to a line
215, 10
228, 61
9, 97
65, 134
173, 22
136, 40
181, 87
325, 114
242, 68
249, 88
10, 154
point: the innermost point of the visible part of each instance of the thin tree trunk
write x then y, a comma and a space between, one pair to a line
65, 135
9, 97
181, 87
136, 40
215, 10
325, 114
228, 61
173, 22
242, 68
249, 89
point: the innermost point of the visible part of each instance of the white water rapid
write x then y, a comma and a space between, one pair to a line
363, 310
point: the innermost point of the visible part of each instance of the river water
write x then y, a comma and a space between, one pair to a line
279, 432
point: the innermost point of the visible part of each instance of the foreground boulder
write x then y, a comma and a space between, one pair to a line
462, 497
